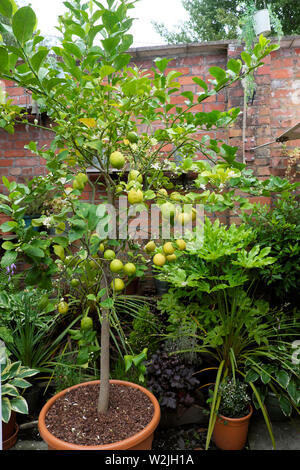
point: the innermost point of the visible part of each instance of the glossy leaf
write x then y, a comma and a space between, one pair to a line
23, 24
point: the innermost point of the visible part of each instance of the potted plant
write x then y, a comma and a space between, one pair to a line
96, 123
13, 378
235, 410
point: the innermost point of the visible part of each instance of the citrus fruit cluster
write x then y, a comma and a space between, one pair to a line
166, 253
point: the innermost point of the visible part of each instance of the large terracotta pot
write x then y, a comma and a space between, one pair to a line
231, 433
140, 441
10, 432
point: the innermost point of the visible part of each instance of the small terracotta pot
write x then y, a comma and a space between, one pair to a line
139, 441
231, 433
10, 432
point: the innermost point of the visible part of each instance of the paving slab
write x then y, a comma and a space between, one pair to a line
286, 434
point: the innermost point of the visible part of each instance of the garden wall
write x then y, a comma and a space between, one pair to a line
274, 109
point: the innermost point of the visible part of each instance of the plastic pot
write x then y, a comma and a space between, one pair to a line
262, 22
231, 433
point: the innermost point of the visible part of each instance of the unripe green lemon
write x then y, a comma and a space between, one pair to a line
75, 282
116, 265
109, 254
117, 160
86, 324
132, 137
133, 175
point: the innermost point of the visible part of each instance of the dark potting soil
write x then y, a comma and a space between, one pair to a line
74, 418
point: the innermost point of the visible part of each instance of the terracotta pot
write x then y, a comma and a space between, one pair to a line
231, 433
140, 441
9, 432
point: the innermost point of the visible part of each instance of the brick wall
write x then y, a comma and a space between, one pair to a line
275, 108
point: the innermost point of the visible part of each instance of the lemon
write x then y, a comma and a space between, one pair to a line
117, 284
159, 259
109, 254
150, 247
63, 307
116, 266
101, 247
117, 160
75, 282
129, 269
171, 257
135, 196
133, 175
168, 248
168, 210
78, 185
82, 178
175, 196
162, 192
132, 137
183, 218
93, 264
181, 244
86, 324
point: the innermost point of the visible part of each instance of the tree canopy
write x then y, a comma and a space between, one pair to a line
213, 20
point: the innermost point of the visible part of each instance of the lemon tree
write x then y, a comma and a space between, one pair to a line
95, 98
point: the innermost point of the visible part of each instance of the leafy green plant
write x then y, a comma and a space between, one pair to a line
278, 227
235, 399
146, 329
222, 266
29, 317
13, 377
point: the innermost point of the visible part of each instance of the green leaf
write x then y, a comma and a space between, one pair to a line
246, 58
19, 405
161, 64
107, 303
72, 49
283, 378
6, 409
251, 376
6, 8
234, 65
285, 405
23, 24
200, 82
38, 58
8, 258
106, 70
218, 73
110, 44
294, 391
3, 58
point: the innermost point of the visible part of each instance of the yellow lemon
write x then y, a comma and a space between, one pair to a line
171, 257
162, 192
159, 259
168, 248
150, 247
175, 196
63, 307
117, 284
181, 244
183, 218
129, 269
133, 175
116, 265
135, 196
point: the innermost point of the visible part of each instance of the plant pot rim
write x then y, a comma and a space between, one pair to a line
131, 441
11, 440
237, 420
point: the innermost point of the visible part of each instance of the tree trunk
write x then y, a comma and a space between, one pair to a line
103, 399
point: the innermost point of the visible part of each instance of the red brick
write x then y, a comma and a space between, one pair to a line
4, 162
27, 162
282, 73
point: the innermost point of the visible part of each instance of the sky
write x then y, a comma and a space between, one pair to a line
169, 12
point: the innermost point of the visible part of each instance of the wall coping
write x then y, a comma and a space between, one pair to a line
218, 47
